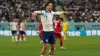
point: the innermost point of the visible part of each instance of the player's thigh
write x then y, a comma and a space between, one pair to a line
65, 31
59, 35
22, 33
45, 45
52, 38
40, 33
52, 46
45, 36
14, 32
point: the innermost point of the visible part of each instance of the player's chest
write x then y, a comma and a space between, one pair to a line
49, 15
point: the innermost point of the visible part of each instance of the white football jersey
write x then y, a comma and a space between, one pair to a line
47, 19
22, 26
13, 25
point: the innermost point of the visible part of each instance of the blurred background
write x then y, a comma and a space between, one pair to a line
83, 15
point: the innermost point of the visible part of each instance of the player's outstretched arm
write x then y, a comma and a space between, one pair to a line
34, 14
60, 12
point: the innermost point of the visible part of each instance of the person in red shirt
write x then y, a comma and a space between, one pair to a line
18, 27
57, 31
40, 31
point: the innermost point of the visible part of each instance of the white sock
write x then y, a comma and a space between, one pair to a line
42, 55
16, 38
24, 38
12, 38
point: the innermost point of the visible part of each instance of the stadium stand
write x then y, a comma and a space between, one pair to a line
78, 10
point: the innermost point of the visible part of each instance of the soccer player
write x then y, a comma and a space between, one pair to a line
18, 27
48, 31
13, 27
40, 31
57, 31
65, 29
21, 28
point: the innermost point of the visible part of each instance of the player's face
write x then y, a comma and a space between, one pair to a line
49, 7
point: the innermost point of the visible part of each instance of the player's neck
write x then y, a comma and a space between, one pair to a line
48, 11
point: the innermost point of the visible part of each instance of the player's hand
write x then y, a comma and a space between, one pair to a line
65, 12
34, 15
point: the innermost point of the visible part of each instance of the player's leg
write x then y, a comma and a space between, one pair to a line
52, 43
15, 34
40, 35
20, 36
12, 36
24, 36
65, 35
59, 36
61, 41
44, 48
45, 36
51, 50
55, 34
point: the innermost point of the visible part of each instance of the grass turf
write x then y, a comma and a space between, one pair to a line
75, 46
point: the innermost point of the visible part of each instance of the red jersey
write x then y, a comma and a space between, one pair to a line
40, 26
18, 25
57, 26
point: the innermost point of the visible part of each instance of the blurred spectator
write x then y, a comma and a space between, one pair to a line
78, 10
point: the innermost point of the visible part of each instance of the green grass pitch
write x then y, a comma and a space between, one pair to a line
75, 46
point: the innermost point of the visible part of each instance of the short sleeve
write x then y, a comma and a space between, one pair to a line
39, 12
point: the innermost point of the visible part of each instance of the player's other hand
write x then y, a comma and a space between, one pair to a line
65, 12
34, 15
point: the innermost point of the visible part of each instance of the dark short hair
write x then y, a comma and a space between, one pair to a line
59, 19
47, 4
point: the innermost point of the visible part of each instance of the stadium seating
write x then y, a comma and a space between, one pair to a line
78, 11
